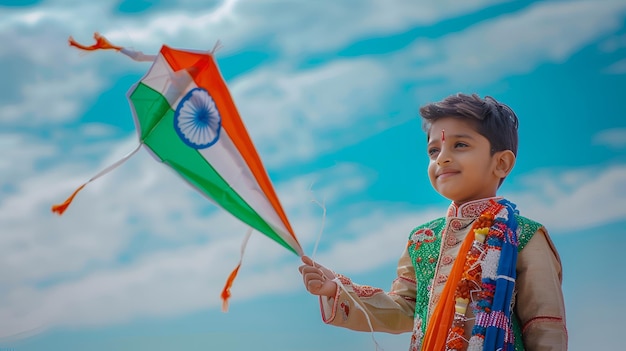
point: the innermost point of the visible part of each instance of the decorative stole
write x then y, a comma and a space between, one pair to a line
484, 274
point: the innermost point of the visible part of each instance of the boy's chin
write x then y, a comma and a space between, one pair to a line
459, 200
452, 196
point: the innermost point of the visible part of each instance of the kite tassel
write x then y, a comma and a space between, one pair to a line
60, 208
102, 43
226, 291
231, 278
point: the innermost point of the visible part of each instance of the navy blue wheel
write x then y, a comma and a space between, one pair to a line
197, 120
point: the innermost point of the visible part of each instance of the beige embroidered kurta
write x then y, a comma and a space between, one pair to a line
538, 296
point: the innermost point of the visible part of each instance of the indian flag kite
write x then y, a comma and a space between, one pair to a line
185, 117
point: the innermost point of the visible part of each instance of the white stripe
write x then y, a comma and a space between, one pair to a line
172, 85
506, 277
223, 155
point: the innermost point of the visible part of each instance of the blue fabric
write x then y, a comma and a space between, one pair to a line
495, 336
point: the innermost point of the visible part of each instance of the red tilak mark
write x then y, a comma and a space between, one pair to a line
443, 135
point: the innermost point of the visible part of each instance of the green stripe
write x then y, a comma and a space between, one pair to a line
159, 135
149, 107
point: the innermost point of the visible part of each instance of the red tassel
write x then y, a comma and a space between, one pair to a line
60, 208
233, 274
101, 44
227, 286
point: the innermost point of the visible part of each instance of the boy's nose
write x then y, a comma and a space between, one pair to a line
443, 157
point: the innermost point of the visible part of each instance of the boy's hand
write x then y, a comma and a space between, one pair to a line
318, 280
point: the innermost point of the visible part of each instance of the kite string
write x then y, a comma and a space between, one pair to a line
336, 279
360, 307
60, 208
217, 46
115, 165
322, 205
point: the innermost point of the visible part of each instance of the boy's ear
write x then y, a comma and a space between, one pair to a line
505, 160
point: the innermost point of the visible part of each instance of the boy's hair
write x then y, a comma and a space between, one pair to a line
494, 120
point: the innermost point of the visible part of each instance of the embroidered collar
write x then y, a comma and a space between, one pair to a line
471, 209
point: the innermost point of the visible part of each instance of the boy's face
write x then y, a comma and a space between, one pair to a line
461, 166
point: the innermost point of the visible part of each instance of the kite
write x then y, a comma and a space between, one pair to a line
185, 117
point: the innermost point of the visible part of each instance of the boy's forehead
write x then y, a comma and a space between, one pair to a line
452, 126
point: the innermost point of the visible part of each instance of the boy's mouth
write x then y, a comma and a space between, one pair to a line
446, 174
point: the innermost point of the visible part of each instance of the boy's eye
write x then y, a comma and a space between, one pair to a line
432, 151
460, 144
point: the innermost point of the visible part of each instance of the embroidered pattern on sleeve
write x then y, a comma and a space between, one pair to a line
359, 290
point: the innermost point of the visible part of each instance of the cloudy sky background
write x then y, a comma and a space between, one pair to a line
329, 91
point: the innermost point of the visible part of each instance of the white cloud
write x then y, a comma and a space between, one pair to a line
574, 199
297, 115
22, 156
329, 25
306, 112
613, 43
618, 67
294, 29
613, 138
49, 84
45, 82
50, 100
548, 31
303, 28
136, 199
97, 130
380, 233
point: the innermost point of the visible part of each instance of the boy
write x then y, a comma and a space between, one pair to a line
480, 278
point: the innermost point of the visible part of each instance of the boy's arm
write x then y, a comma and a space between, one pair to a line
390, 312
539, 301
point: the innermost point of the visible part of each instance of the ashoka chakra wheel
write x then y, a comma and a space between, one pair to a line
197, 120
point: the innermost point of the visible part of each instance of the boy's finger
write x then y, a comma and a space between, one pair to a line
308, 269
308, 261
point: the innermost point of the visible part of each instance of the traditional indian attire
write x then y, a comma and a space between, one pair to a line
535, 322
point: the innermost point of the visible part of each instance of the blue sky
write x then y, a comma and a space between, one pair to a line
329, 91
